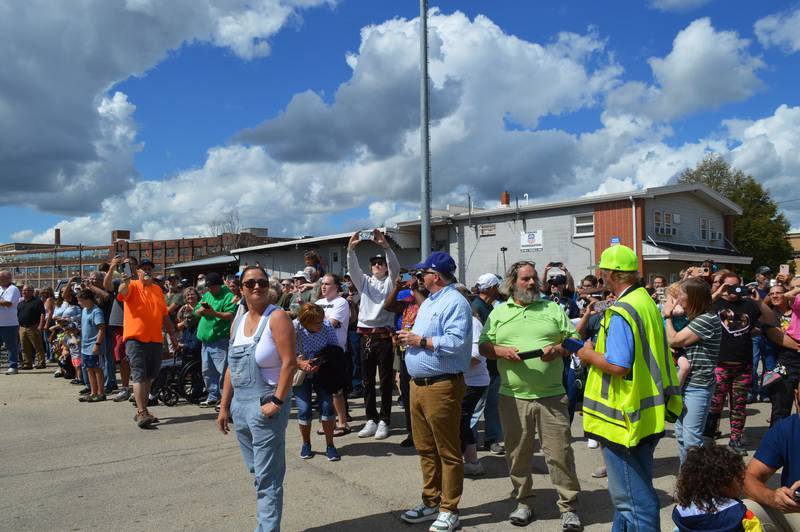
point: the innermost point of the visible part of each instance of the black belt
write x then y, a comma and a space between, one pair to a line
427, 381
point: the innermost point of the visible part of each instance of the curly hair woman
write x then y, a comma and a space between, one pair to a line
707, 491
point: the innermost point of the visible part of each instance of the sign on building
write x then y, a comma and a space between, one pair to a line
615, 241
531, 240
487, 230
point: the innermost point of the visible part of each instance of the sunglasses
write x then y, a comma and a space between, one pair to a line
251, 283
379, 263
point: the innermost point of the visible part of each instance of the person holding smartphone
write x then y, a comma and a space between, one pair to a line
216, 311
532, 391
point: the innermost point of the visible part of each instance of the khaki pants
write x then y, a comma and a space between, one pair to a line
435, 416
30, 340
772, 520
521, 418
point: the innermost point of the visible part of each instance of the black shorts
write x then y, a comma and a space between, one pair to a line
144, 359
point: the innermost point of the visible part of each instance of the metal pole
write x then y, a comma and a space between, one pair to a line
425, 153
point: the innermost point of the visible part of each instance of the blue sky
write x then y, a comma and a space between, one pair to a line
163, 137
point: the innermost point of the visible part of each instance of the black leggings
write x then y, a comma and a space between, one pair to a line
472, 395
782, 397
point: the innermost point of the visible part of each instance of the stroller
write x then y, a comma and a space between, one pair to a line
180, 376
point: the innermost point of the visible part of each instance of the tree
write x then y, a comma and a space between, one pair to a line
228, 228
760, 232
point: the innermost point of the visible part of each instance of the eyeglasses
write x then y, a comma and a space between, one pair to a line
379, 263
251, 283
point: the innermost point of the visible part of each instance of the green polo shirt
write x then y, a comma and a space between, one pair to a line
212, 329
536, 326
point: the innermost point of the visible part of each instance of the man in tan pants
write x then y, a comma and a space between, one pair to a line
31, 315
525, 334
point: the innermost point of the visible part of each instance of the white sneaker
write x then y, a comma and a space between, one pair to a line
446, 522
473, 469
368, 430
592, 444
11, 371
382, 432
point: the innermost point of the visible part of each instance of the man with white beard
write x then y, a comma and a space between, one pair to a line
531, 390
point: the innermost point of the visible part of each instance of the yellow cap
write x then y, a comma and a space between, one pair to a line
619, 258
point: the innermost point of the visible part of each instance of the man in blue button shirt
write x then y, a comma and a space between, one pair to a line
777, 509
438, 352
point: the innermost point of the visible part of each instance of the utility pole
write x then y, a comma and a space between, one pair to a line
425, 152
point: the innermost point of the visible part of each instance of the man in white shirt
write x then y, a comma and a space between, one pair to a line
9, 324
375, 326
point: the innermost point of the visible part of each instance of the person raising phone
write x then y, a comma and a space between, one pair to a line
531, 389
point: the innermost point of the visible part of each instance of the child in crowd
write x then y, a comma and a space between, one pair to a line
70, 360
679, 321
93, 331
709, 484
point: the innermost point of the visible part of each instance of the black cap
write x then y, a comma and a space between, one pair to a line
377, 258
146, 262
213, 279
764, 270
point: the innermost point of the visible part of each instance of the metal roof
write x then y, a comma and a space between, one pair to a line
208, 261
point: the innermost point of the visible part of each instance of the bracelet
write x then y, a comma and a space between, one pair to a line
275, 400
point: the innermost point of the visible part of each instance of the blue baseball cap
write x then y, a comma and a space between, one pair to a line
438, 261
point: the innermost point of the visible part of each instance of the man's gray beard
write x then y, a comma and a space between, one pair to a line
525, 297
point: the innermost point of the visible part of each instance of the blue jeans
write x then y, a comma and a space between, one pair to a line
213, 360
689, 427
108, 363
630, 485
9, 336
263, 444
302, 396
487, 407
763, 352
355, 353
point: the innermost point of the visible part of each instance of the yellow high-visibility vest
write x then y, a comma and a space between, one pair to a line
625, 410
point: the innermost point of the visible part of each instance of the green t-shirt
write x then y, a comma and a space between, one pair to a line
212, 329
536, 326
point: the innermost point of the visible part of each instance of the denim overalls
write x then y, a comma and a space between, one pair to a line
261, 439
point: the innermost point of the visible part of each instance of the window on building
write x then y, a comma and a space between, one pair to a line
185, 252
704, 229
172, 252
584, 224
199, 251
158, 253
663, 223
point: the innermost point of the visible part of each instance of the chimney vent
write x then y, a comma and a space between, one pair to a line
57, 236
505, 198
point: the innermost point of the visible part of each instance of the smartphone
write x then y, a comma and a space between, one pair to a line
601, 306
314, 362
704, 271
534, 353
126, 270
405, 277
572, 345
661, 293
365, 235
205, 305
784, 269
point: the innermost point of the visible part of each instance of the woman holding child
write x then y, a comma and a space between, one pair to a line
699, 341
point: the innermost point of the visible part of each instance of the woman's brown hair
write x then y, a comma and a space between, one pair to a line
698, 297
310, 314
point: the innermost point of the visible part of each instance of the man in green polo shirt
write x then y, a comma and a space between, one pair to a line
531, 390
216, 310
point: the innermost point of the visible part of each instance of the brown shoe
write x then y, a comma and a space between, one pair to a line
43, 365
143, 419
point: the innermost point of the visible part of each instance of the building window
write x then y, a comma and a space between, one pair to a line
584, 224
708, 231
185, 252
199, 252
158, 253
172, 252
663, 223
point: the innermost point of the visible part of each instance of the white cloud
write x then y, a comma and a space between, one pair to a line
679, 6
59, 135
24, 235
781, 30
704, 70
294, 182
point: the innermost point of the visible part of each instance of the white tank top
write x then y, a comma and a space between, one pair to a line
267, 358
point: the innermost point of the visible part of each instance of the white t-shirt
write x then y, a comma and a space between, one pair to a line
267, 358
338, 309
8, 315
477, 375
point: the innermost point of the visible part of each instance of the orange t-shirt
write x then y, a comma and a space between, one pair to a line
145, 308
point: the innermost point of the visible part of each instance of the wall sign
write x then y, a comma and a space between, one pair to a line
615, 241
487, 230
531, 240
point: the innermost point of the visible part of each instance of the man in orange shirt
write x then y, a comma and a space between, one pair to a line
145, 316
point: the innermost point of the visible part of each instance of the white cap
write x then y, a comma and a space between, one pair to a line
302, 275
487, 280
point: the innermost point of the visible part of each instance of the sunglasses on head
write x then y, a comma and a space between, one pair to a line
251, 283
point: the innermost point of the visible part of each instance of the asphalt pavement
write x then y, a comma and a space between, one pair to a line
70, 466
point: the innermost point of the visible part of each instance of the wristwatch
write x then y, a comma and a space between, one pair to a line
423, 342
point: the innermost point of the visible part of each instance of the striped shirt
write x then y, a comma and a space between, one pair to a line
703, 354
446, 318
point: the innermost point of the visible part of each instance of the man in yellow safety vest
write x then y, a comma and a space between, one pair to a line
631, 391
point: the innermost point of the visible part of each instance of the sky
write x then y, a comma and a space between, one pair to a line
302, 116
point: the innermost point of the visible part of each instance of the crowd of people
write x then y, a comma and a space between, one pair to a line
524, 352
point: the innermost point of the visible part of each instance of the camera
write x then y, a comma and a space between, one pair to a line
797, 495
736, 290
365, 235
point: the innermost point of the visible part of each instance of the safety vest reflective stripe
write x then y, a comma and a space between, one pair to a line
606, 410
655, 371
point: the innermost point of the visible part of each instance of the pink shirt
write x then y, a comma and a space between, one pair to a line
794, 326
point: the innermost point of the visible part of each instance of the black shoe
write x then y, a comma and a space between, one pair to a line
408, 442
355, 394
152, 402
112, 389
84, 391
